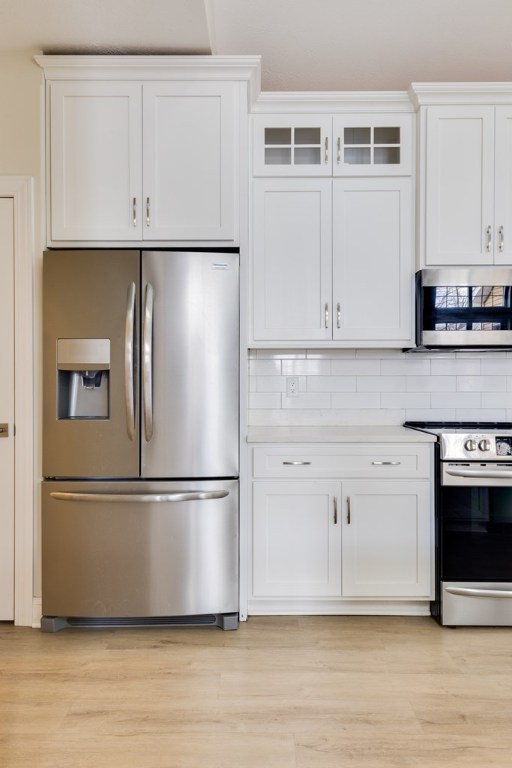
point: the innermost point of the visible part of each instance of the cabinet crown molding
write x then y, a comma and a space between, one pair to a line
107, 67
316, 102
430, 94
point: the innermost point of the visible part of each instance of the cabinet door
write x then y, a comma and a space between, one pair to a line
95, 165
503, 187
386, 550
296, 539
292, 259
292, 145
372, 259
372, 145
190, 149
459, 185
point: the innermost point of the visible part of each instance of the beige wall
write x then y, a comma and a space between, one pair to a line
21, 115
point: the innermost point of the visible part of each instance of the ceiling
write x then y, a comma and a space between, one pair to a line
305, 44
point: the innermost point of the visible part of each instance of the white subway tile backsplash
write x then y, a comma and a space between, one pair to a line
381, 383
497, 400
456, 400
357, 400
481, 383
356, 367
270, 383
499, 366
481, 414
331, 383
307, 400
456, 367
371, 386
431, 383
264, 400
306, 367
409, 366
405, 400
265, 367
430, 414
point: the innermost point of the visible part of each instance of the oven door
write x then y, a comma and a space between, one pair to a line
476, 522
475, 543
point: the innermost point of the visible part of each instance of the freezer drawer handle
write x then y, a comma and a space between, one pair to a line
147, 378
145, 498
129, 385
472, 592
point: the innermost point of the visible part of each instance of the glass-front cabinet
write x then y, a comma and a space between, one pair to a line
292, 145
372, 145
326, 145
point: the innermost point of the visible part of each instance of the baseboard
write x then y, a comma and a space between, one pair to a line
290, 607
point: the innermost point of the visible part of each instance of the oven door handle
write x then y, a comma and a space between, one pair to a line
472, 592
483, 473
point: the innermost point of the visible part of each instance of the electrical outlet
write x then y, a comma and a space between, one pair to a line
292, 386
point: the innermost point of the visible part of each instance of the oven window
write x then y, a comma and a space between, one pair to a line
467, 308
476, 533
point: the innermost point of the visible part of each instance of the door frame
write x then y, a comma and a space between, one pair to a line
21, 190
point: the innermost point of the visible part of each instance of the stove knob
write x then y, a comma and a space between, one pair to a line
470, 445
484, 445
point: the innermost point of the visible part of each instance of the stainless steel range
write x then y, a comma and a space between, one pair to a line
473, 523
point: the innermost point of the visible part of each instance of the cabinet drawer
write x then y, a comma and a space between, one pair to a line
350, 460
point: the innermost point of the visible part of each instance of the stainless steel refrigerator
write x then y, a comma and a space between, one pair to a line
140, 438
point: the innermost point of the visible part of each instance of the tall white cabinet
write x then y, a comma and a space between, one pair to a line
332, 229
145, 148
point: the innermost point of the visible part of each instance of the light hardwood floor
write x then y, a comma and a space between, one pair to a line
281, 692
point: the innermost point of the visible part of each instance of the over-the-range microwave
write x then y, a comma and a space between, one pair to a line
464, 307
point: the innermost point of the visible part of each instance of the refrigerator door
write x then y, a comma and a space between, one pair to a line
139, 549
190, 364
90, 388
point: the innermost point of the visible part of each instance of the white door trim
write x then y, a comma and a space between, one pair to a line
20, 189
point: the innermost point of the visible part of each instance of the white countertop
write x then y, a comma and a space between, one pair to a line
349, 434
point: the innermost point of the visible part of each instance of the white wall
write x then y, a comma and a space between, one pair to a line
21, 154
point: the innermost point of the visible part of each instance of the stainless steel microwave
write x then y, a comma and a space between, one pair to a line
464, 307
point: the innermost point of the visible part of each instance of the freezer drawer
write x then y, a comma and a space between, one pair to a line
139, 549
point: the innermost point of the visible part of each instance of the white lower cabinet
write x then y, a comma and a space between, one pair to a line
296, 538
320, 542
386, 538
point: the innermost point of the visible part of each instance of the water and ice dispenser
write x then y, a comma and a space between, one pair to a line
83, 378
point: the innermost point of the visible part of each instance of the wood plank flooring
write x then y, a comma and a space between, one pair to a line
281, 692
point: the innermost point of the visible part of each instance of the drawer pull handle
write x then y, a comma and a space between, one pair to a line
386, 463
296, 463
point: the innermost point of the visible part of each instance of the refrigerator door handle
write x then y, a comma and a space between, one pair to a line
145, 498
129, 384
147, 353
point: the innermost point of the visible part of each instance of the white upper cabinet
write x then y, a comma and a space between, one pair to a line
372, 259
332, 261
468, 185
372, 145
323, 145
142, 161
96, 163
292, 145
189, 152
292, 259
146, 149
